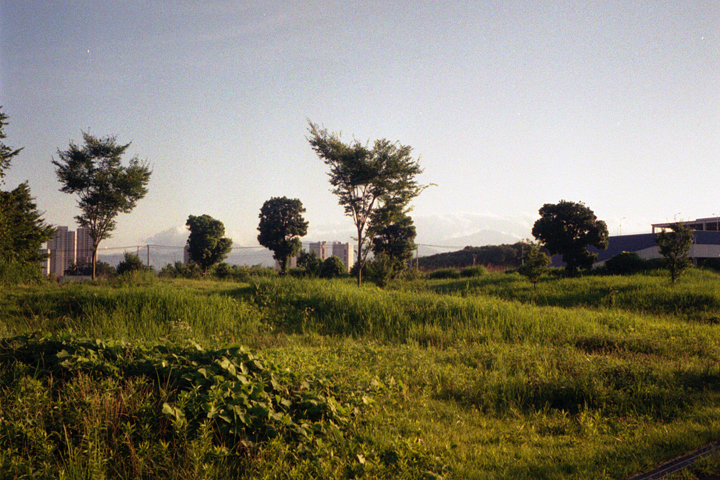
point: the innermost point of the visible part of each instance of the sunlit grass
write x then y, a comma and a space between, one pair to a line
485, 377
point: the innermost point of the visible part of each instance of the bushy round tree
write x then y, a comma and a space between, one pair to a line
206, 244
333, 267
281, 226
567, 229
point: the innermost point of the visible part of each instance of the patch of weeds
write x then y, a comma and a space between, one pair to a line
90, 401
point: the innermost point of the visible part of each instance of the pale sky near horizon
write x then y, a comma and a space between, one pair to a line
509, 104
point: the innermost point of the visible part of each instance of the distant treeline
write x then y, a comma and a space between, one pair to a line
508, 256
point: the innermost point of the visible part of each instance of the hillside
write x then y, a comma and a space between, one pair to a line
496, 255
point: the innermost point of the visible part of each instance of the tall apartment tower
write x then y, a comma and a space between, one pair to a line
83, 246
319, 249
344, 251
62, 250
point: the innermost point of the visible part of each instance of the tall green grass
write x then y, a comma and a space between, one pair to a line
695, 296
149, 313
482, 377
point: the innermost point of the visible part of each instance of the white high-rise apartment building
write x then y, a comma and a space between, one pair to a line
67, 247
344, 251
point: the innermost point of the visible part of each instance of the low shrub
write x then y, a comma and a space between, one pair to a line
133, 408
476, 271
297, 272
131, 263
444, 273
15, 273
625, 263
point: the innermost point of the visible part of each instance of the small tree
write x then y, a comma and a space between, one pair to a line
333, 267
131, 263
567, 229
102, 269
675, 247
105, 187
281, 226
206, 243
310, 262
535, 262
365, 179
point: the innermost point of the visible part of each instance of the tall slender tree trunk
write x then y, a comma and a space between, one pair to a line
94, 258
360, 262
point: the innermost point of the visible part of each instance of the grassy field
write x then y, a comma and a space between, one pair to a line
484, 377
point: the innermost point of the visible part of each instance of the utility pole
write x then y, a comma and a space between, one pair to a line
148, 255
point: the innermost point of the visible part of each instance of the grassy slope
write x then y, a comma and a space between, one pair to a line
598, 377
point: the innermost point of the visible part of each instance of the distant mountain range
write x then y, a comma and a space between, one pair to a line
443, 233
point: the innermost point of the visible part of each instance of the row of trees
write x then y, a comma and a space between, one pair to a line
569, 228
375, 185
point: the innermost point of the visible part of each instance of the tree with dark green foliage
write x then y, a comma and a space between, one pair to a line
625, 263
535, 262
105, 187
675, 247
281, 226
102, 269
367, 178
333, 267
393, 242
567, 229
6, 153
310, 262
22, 228
206, 244
131, 263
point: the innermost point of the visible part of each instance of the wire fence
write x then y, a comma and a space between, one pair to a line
158, 256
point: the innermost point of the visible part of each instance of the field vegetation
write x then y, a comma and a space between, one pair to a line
479, 376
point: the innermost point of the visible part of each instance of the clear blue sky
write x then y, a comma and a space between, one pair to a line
509, 104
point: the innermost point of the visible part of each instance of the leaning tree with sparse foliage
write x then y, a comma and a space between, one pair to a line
105, 187
567, 229
281, 226
207, 244
367, 178
674, 246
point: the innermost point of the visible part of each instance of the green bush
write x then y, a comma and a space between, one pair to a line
333, 267
710, 263
444, 273
477, 271
180, 270
625, 263
131, 263
16, 273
